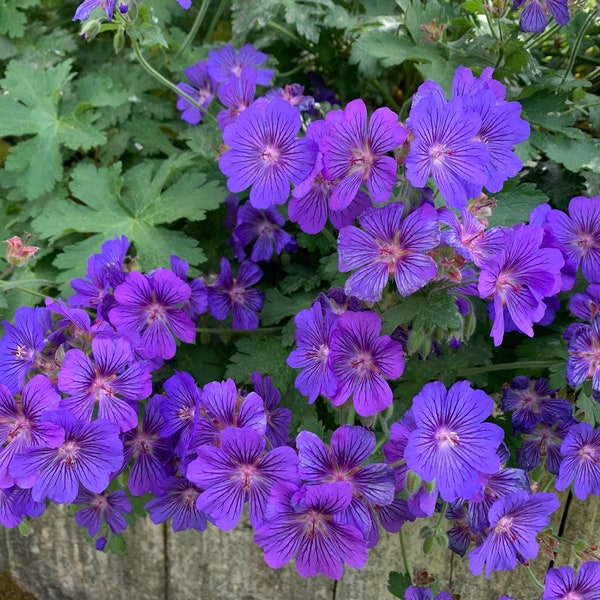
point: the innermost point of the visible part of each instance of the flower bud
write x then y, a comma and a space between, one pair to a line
90, 29
18, 253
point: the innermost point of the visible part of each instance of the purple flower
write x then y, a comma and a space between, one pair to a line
501, 126
562, 583
519, 278
531, 400
238, 471
21, 424
226, 62
354, 152
534, 16
179, 409
222, 406
278, 419
581, 461
113, 381
515, 520
586, 305
236, 95
89, 454
584, 355
361, 359
84, 10
148, 312
197, 303
265, 153
444, 147
20, 345
543, 440
109, 507
389, 245
294, 94
314, 328
9, 515
300, 522
149, 452
264, 226
579, 231
451, 444
229, 294
372, 484
309, 204
202, 90
422, 593
178, 502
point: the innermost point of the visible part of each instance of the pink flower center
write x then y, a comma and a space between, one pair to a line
270, 154
392, 253
586, 241
447, 438
68, 453
364, 364
589, 453
503, 525
438, 153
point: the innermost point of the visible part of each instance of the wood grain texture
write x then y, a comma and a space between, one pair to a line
56, 563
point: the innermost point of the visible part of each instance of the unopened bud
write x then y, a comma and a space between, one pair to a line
119, 40
18, 253
90, 29
432, 31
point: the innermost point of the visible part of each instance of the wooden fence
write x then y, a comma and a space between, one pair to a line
55, 563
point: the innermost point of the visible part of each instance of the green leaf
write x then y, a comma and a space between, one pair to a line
391, 49
277, 306
515, 202
424, 311
307, 16
546, 109
587, 409
12, 20
31, 105
398, 583
572, 148
422, 13
134, 205
264, 354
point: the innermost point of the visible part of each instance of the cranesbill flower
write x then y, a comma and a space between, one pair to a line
354, 152
301, 522
237, 471
21, 424
148, 312
9, 516
451, 444
387, 246
515, 520
579, 231
202, 90
350, 447
264, 226
113, 382
149, 452
361, 359
586, 305
314, 329
90, 453
108, 507
534, 16
178, 503
84, 10
265, 154
21, 344
581, 461
562, 583
278, 418
226, 62
531, 400
584, 355
444, 147
236, 95
222, 406
229, 294
519, 278
197, 303
423, 593
294, 94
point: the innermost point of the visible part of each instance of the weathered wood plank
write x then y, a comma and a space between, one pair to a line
227, 565
56, 563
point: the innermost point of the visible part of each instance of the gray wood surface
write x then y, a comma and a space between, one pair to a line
56, 563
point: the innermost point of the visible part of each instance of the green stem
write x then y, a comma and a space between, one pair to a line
351, 415
578, 40
10, 269
9, 285
330, 237
388, 97
403, 553
488, 18
215, 21
380, 443
528, 364
441, 517
287, 74
32, 292
537, 40
533, 578
169, 84
298, 41
195, 27
231, 330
